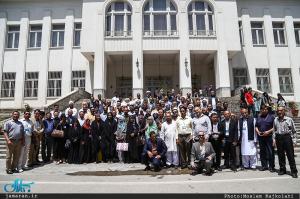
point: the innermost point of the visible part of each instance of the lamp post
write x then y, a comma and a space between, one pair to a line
186, 63
137, 62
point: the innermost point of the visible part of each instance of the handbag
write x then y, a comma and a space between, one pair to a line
122, 146
57, 133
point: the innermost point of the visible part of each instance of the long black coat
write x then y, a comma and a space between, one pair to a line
85, 150
74, 138
132, 128
97, 133
109, 138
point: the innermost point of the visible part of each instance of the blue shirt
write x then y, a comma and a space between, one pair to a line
265, 123
49, 126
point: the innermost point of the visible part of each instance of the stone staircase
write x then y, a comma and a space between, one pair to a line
2, 147
297, 125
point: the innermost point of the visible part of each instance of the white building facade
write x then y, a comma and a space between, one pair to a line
49, 48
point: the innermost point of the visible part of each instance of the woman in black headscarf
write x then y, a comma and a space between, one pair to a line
132, 140
74, 142
109, 138
85, 150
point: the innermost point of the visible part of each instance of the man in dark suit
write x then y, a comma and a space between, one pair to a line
154, 152
229, 129
213, 100
202, 156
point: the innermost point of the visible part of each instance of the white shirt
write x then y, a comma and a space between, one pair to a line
74, 111
28, 126
248, 146
227, 127
169, 135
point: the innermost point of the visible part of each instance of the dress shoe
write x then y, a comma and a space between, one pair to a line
225, 167
272, 170
147, 168
208, 173
9, 171
281, 173
194, 173
263, 169
294, 175
219, 169
16, 171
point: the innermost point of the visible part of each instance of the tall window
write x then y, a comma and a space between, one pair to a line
13, 34
263, 79
118, 19
31, 84
35, 36
279, 33
201, 19
8, 84
54, 84
258, 36
241, 32
285, 81
160, 18
78, 80
297, 33
58, 35
77, 33
240, 77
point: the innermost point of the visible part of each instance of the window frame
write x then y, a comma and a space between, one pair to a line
35, 32
257, 30
278, 30
34, 82
239, 77
260, 75
55, 87
77, 30
78, 79
169, 12
297, 31
284, 76
111, 12
207, 32
13, 32
60, 33
11, 85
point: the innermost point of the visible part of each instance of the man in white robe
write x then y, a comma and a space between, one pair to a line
248, 140
170, 136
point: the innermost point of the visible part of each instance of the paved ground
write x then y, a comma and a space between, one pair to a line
93, 178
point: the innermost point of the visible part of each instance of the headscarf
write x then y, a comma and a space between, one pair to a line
121, 128
86, 124
150, 128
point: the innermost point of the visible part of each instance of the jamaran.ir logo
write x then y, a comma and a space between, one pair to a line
18, 186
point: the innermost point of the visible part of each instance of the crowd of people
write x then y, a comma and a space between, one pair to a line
165, 130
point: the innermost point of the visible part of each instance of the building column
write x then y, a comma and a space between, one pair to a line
3, 21
137, 52
270, 46
100, 60
248, 47
221, 65
185, 79
289, 25
45, 45
68, 50
22, 50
